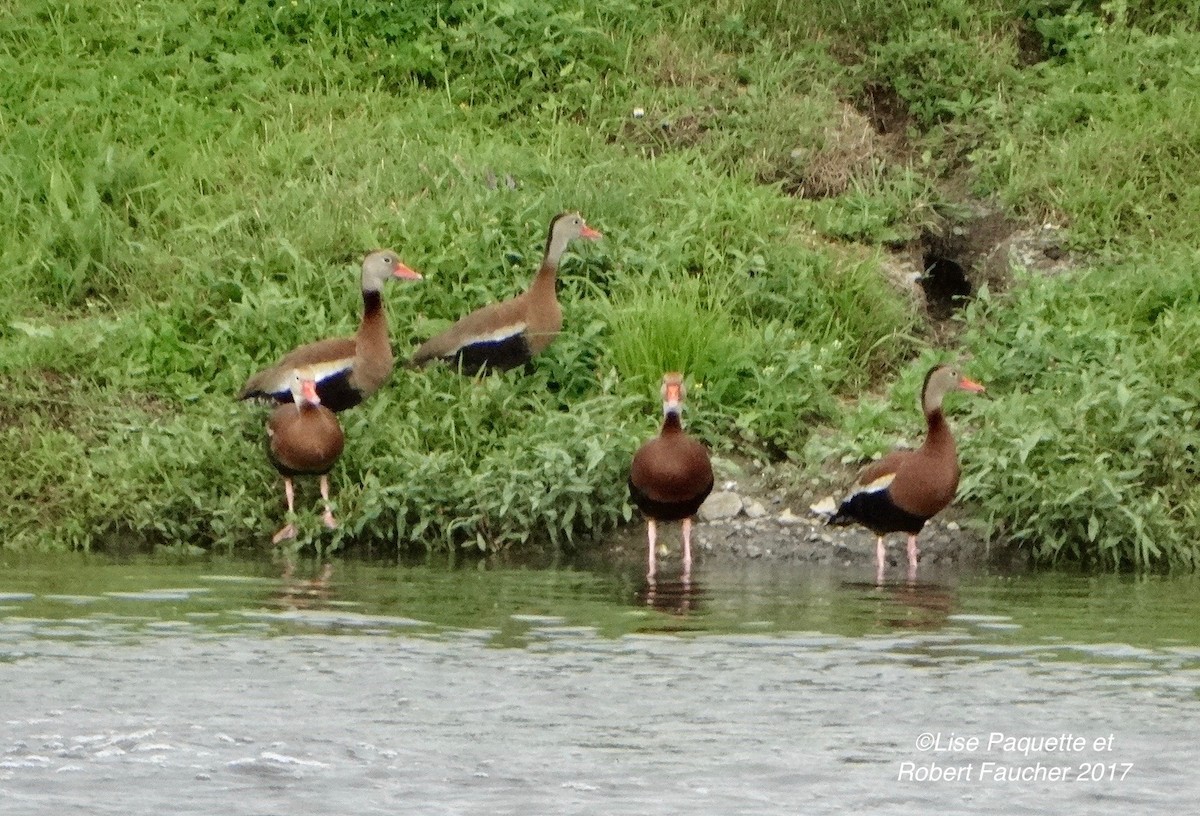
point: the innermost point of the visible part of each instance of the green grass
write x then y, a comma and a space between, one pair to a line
1109, 141
186, 192
1087, 447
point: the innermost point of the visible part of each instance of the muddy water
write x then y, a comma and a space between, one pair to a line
150, 687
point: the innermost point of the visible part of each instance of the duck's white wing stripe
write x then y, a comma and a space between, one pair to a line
876, 486
320, 371
331, 368
494, 336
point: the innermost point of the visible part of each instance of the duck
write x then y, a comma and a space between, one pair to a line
347, 369
906, 488
509, 334
671, 475
304, 438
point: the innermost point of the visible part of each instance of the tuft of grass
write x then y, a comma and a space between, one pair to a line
686, 329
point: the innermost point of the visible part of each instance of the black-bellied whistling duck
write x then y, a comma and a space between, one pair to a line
671, 475
906, 488
304, 439
347, 369
508, 334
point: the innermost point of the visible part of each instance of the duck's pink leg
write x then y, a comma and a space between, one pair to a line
330, 521
288, 530
880, 559
912, 557
651, 537
687, 548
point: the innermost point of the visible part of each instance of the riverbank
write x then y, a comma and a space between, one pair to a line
771, 180
766, 514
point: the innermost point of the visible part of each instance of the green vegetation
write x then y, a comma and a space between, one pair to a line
188, 188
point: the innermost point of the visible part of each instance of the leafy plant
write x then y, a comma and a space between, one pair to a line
1086, 448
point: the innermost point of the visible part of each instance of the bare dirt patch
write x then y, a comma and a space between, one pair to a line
655, 135
978, 245
860, 141
847, 148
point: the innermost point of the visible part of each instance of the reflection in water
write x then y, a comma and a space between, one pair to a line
792, 691
908, 605
919, 606
304, 593
672, 597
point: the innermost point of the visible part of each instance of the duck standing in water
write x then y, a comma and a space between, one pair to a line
303, 439
906, 488
671, 475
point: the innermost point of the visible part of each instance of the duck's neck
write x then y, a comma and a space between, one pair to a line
938, 437
372, 303
672, 424
547, 274
544, 282
372, 331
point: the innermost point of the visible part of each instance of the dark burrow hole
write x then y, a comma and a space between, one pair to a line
945, 284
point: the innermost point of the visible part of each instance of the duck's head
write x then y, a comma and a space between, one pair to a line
304, 387
380, 266
940, 381
673, 393
565, 228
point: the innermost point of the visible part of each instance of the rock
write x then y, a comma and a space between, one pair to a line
789, 518
754, 509
723, 504
825, 507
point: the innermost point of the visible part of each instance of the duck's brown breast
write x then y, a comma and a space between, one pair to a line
671, 476
305, 439
927, 479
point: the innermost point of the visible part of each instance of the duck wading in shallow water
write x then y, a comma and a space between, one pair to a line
906, 488
510, 333
347, 370
671, 475
303, 439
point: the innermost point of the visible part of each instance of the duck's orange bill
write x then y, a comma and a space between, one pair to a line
309, 389
589, 233
971, 385
402, 271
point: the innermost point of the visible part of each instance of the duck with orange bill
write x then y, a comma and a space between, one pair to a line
347, 370
509, 334
303, 439
671, 475
906, 488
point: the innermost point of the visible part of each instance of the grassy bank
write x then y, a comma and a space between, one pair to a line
188, 190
